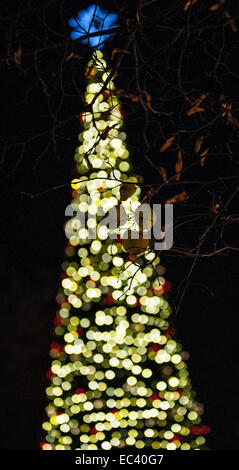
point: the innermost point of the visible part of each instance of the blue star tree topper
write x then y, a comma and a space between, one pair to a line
93, 20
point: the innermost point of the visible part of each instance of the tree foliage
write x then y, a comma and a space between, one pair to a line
175, 65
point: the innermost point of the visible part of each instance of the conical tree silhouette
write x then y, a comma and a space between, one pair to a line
118, 375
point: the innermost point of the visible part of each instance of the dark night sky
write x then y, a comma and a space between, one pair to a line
32, 249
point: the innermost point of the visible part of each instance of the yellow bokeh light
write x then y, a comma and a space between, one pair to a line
118, 377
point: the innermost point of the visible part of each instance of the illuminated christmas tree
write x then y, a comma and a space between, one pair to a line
118, 376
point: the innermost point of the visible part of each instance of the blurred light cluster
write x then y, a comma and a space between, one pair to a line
118, 376
90, 21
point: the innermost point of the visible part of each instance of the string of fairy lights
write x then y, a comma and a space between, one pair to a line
118, 376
